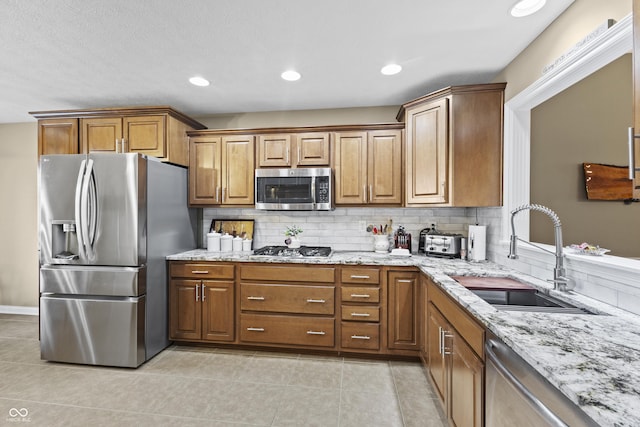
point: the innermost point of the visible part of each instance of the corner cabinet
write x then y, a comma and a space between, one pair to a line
201, 302
368, 167
155, 131
221, 169
455, 356
454, 141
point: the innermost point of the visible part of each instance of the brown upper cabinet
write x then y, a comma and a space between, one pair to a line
291, 150
454, 146
57, 136
221, 169
154, 131
368, 167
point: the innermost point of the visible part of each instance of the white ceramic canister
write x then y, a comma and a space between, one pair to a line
246, 245
213, 242
226, 244
381, 243
237, 244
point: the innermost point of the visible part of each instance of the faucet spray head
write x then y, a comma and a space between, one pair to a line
513, 247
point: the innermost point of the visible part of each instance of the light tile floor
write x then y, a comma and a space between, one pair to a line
195, 386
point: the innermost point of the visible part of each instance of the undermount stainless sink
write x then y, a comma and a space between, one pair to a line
527, 300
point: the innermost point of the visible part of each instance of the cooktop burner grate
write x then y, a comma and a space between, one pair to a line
302, 251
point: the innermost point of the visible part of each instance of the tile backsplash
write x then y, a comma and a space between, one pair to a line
344, 228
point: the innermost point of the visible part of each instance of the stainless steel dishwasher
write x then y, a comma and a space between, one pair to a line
517, 395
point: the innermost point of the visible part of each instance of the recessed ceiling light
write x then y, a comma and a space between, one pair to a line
291, 75
527, 7
391, 69
199, 81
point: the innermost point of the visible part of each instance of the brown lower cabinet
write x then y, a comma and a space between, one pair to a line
201, 302
455, 359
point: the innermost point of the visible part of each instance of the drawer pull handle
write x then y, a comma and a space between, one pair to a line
360, 296
353, 276
255, 329
360, 314
405, 281
199, 271
321, 301
316, 333
255, 298
360, 337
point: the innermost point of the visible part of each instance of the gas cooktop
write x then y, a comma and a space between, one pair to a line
302, 251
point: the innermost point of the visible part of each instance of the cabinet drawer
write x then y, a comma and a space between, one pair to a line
364, 336
360, 294
361, 313
360, 275
296, 330
210, 270
288, 273
287, 298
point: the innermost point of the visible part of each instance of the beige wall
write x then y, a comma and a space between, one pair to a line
585, 123
580, 19
18, 215
338, 116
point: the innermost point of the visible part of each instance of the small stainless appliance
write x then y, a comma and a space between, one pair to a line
302, 189
302, 251
107, 223
443, 244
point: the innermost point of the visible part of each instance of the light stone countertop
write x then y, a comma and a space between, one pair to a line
593, 359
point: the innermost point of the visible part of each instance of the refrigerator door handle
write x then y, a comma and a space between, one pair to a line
93, 206
85, 210
78, 208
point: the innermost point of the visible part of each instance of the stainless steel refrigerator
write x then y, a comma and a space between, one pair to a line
107, 222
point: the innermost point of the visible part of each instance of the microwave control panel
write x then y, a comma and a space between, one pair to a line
323, 190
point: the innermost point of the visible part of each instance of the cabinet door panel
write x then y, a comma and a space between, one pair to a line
403, 310
184, 312
466, 385
274, 150
218, 311
238, 166
101, 134
57, 136
204, 171
435, 325
145, 134
351, 168
385, 167
427, 156
312, 149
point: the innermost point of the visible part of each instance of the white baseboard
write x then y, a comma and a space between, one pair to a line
16, 309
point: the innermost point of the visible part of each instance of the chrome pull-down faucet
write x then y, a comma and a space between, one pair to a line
560, 281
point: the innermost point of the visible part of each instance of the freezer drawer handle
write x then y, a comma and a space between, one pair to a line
360, 314
320, 301
255, 329
255, 298
199, 272
316, 333
360, 337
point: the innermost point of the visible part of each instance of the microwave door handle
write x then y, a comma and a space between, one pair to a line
313, 191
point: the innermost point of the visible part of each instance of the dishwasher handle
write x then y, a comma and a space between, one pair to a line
524, 391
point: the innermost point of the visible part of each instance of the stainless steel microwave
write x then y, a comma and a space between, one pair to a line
303, 189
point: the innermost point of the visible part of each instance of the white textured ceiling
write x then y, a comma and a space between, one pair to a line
67, 54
